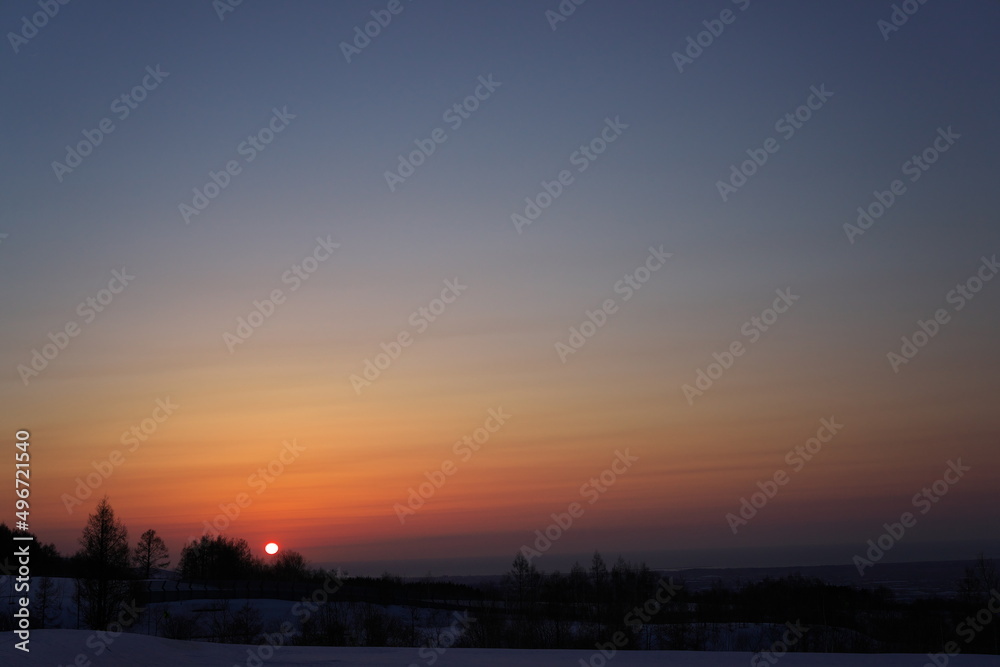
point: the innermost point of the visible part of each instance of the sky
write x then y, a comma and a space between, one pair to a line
400, 299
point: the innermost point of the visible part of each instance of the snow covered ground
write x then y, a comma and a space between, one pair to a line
86, 648
56, 648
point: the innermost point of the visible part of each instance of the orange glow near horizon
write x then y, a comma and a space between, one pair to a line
331, 479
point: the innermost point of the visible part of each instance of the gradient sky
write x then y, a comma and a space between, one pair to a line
323, 176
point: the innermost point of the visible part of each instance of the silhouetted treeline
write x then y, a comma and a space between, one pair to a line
45, 558
624, 603
633, 607
594, 605
223, 558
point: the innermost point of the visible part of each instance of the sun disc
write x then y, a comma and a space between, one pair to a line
271, 548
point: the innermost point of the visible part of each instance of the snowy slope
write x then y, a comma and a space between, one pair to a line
54, 648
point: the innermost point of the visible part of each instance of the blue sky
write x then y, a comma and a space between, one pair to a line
655, 185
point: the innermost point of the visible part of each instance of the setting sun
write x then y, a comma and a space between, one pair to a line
271, 548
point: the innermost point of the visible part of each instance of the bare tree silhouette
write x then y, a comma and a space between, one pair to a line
102, 585
150, 553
